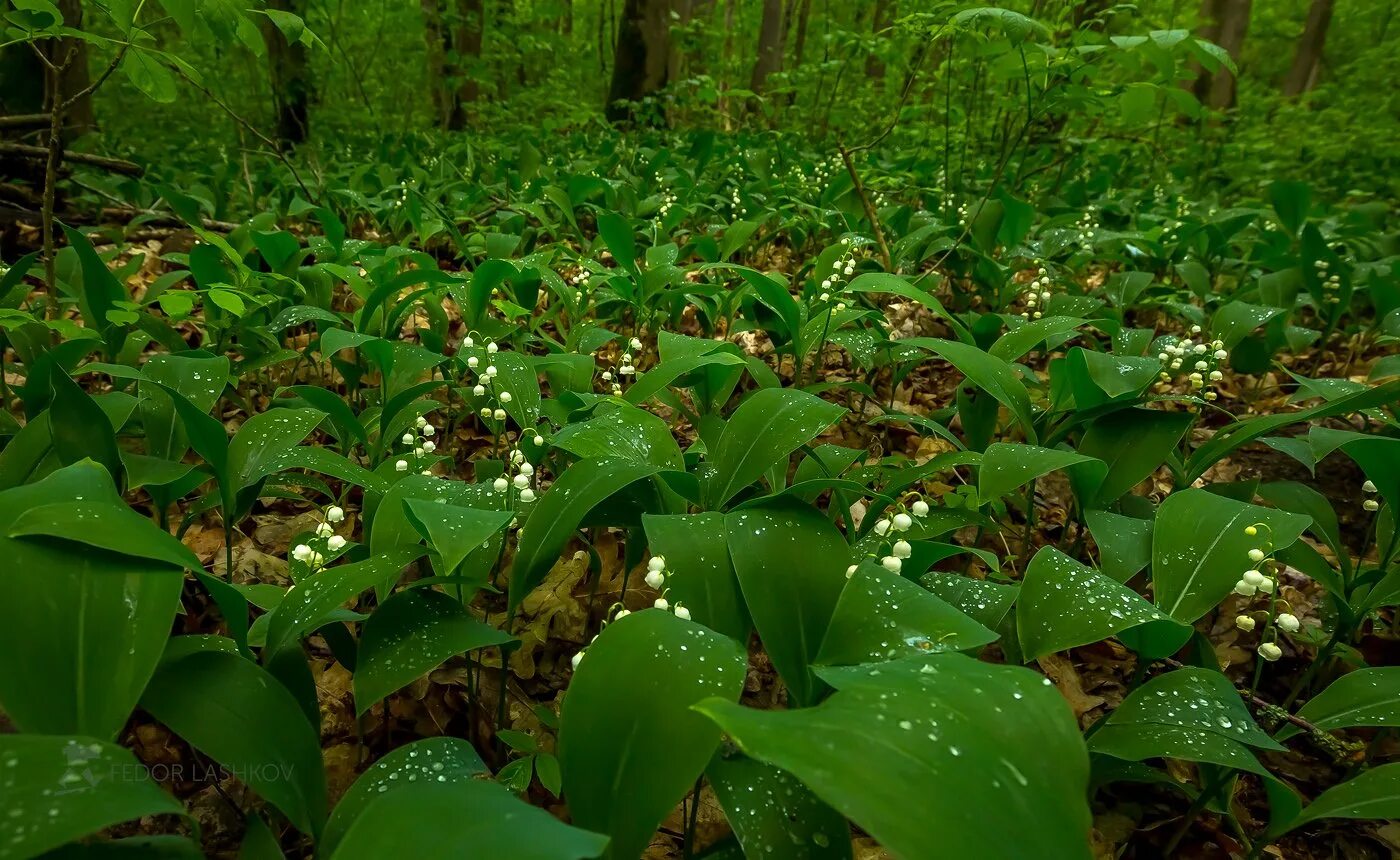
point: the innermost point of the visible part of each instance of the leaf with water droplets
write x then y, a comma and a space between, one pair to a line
624, 433
57, 789
773, 814
307, 603
1006, 466
983, 600
1372, 795
1064, 604
630, 747
453, 531
581, 488
428, 761
699, 573
236, 713
1140, 741
1193, 698
90, 623
1200, 549
767, 427
409, 634
934, 756
883, 616
468, 818
1365, 697
791, 562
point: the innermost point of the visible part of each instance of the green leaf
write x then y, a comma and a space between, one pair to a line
264, 439
1366, 697
791, 564
1291, 201
624, 433
989, 373
937, 756
699, 572
455, 532
630, 747
1196, 699
307, 604
237, 714
1064, 604
616, 233
774, 815
557, 514
983, 600
1372, 795
1200, 550
1006, 466
149, 75
409, 634
100, 291
58, 789
1132, 443
441, 760
883, 616
1140, 741
80, 428
1124, 543
766, 428
468, 818
91, 624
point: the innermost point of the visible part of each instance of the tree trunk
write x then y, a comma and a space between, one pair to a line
770, 45
799, 47
879, 21
290, 76
683, 10
436, 39
466, 49
1308, 60
1225, 23
641, 56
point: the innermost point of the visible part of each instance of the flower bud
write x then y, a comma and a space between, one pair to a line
902, 549
1256, 555
662, 603
891, 563
527, 495
655, 578
1368, 487
336, 543
882, 526
682, 613
1244, 622
1287, 622
500, 485
919, 508
1270, 651
902, 522
401, 466
335, 514
576, 659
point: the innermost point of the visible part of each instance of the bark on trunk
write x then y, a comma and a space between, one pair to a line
1224, 22
290, 76
1308, 59
641, 56
880, 20
770, 45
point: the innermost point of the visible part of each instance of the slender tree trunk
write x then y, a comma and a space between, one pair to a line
436, 40
568, 18
641, 58
466, 48
1224, 22
770, 45
799, 47
290, 76
879, 21
1308, 59
682, 10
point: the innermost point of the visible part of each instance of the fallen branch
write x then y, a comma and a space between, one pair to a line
24, 120
114, 165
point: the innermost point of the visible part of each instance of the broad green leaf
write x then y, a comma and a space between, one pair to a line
767, 427
1132, 444
1099, 377
883, 616
993, 375
236, 713
91, 618
983, 600
790, 562
307, 604
1379, 458
466, 818
558, 513
1025, 337
935, 756
1196, 699
430, 760
1139, 741
699, 573
1006, 466
409, 634
263, 439
1064, 604
57, 789
455, 532
1372, 795
630, 747
1124, 543
624, 433
80, 428
1200, 549
1366, 697
774, 815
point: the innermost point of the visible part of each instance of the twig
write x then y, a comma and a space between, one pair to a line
865, 204
25, 120
113, 165
266, 141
